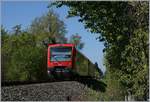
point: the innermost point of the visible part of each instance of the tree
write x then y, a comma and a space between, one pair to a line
48, 27
17, 29
123, 27
76, 39
23, 60
4, 51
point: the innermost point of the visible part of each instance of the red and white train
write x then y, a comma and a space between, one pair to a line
61, 59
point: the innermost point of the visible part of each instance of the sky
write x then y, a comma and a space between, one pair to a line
24, 12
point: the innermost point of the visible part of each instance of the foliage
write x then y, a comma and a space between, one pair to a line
4, 51
17, 29
76, 39
123, 27
20, 57
114, 89
48, 27
136, 75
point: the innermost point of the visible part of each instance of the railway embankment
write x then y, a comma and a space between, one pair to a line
56, 91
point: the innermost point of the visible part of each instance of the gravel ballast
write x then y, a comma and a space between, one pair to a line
56, 91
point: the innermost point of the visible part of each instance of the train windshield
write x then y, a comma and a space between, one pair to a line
61, 53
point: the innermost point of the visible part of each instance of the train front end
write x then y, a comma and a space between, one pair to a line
61, 59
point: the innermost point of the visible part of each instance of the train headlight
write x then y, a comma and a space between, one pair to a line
48, 72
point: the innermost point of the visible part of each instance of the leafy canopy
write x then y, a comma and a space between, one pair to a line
123, 27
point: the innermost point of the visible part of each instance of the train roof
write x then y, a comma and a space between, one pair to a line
61, 45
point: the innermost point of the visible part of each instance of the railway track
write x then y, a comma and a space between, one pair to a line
12, 83
15, 83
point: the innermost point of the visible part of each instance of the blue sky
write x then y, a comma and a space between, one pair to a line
23, 13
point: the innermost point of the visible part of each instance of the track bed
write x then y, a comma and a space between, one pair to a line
56, 91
